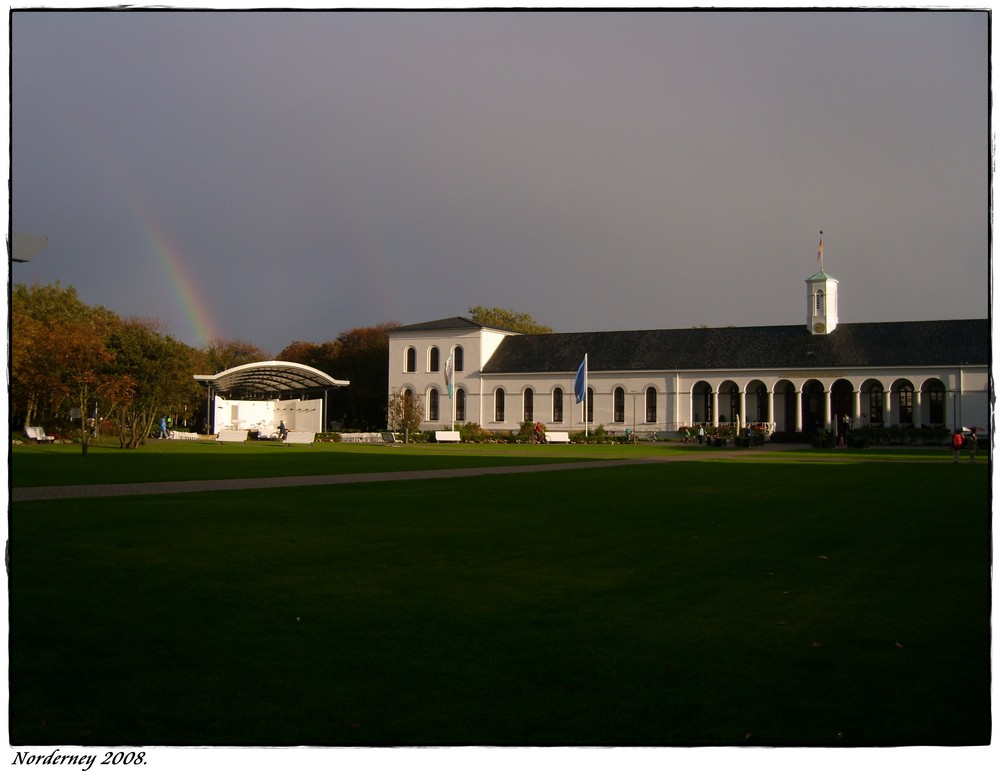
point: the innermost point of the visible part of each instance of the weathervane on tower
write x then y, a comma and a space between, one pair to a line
819, 253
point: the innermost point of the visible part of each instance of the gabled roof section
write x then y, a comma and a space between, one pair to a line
875, 344
449, 324
262, 379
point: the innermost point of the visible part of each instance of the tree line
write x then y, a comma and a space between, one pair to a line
77, 369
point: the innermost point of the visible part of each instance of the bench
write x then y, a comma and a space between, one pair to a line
389, 437
300, 437
447, 436
229, 435
557, 437
37, 434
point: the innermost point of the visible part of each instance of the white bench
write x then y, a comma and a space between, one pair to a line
557, 437
300, 437
447, 436
37, 434
229, 435
389, 437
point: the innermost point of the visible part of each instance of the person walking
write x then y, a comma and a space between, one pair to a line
973, 444
956, 445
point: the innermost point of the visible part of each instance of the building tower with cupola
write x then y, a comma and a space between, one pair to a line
821, 310
821, 315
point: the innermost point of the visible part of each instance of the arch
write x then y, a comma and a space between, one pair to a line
933, 402
499, 397
842, 406
902, 401
460, 404
729, 402
458, 358
557, 405
702, 404
650, 404
433, 405
872, 402
433, 359
758, 402
785, 402
410, 359
813, 406
618, 405
528, 401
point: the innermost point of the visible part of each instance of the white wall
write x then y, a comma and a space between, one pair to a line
299, 415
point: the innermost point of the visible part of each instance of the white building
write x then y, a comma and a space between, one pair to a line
823, 374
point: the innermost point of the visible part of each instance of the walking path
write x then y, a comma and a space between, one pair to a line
20, 494
24, 494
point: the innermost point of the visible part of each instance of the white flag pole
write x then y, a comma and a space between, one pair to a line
586, 374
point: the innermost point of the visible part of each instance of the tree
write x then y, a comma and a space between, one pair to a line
152, 376
81, 360
322, 356
59, 358
405, 411
360, 355
40, 320
504, 318
221, 354
363, 359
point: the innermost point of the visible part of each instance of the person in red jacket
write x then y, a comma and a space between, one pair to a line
956, 445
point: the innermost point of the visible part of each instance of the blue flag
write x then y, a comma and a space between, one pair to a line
580, 382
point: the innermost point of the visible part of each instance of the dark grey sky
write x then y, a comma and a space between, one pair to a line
286, 176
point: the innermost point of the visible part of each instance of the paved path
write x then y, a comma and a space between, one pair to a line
21, 494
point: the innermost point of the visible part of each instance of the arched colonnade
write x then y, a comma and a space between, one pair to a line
811, 404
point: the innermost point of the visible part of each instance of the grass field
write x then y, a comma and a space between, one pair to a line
778, 599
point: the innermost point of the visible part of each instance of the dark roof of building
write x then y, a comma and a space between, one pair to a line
872, 344
454, 322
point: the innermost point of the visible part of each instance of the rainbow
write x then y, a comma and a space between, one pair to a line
197, 312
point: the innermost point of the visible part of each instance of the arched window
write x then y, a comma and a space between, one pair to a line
650, 405
459, 361
434, 359
557, 406
619, 405
498, 406
529, 404
460, 404
936, 408
762, 403
433, 409
905, 400
876, 400
590, 405
410, 362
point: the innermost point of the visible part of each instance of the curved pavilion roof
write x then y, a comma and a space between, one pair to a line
261, 379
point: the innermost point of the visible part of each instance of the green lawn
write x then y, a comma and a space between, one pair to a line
105, 462
781, 603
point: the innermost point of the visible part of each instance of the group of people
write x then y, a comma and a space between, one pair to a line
958, 441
